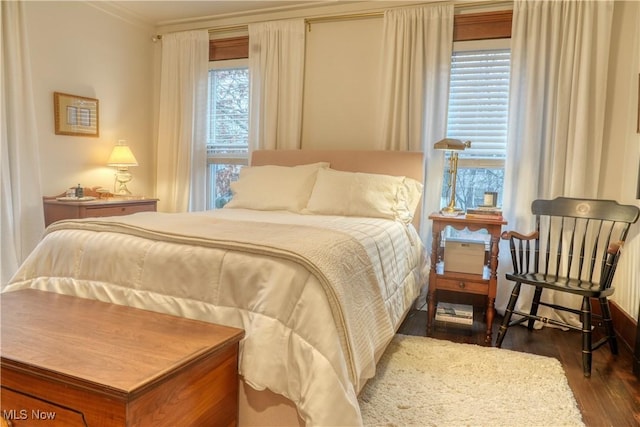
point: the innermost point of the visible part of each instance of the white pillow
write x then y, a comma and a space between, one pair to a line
410, 199
364, 194
274, 187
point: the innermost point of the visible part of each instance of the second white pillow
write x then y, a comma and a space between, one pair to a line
363, 194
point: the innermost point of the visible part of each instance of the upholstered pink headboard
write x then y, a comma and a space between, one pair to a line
398, 163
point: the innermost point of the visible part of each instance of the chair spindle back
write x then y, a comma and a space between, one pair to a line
575, 239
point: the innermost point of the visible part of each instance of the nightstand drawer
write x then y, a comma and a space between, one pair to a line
55, 210
119, 210
459, 285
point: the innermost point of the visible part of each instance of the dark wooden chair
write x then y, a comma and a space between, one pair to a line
575, 248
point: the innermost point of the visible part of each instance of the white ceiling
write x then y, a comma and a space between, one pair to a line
158, 12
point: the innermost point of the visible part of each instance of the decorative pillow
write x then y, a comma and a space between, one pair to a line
274, 187
363, 194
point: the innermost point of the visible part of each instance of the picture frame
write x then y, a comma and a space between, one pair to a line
76, 115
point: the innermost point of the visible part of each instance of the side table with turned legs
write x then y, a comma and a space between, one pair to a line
464, 282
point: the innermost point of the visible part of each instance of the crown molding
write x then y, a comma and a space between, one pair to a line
111, 8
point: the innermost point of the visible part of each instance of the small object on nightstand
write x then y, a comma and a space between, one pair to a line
484, 212
103, 193
453, 213
490, 198
79, 192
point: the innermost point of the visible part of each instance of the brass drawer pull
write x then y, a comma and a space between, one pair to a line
461, 285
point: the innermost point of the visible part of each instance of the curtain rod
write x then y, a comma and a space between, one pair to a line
457, 6
362, 15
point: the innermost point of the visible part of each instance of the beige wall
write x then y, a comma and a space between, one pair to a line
341, 76
78, 49
622, 157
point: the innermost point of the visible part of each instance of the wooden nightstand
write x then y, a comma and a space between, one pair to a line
55, 210
68, 361
464, 282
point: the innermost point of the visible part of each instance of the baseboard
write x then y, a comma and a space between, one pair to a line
636, 353
628, 333
626, 326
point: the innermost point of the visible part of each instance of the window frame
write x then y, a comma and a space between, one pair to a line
474, 164
224, 158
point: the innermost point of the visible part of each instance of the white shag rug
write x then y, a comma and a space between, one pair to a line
428, 382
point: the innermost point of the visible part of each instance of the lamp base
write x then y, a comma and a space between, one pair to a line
122, 190
451, 212
120, 186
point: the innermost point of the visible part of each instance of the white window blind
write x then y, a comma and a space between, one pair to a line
228, 112
478, 102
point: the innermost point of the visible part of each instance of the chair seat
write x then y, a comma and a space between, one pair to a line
564, 284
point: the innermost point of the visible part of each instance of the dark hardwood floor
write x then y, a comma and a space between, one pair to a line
611, 397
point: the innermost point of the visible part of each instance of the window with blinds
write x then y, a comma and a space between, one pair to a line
478, 102
478, 112
228, 115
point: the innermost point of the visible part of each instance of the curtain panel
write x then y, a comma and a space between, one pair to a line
416, 65
276, 73
556, 112
182, 130
22, 217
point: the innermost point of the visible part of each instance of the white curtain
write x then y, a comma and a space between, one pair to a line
182, 130
559, 54
22, 221
276, 70
416, 64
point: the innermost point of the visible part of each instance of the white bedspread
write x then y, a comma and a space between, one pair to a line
319, 297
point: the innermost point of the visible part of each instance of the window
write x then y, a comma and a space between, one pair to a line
227, 141
477, 112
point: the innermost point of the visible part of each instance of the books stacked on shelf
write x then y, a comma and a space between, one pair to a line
485, 212
459, 314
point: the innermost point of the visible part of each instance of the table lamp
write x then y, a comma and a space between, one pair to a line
453, 145
121, 158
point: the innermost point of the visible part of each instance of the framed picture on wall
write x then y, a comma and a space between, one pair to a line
75, 115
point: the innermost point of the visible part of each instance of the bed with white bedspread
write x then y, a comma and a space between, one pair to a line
319, 295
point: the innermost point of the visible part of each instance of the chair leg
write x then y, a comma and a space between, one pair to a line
608, 325
515, 292
585, 316
534, 307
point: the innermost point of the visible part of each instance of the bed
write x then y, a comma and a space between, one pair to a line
319, 283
